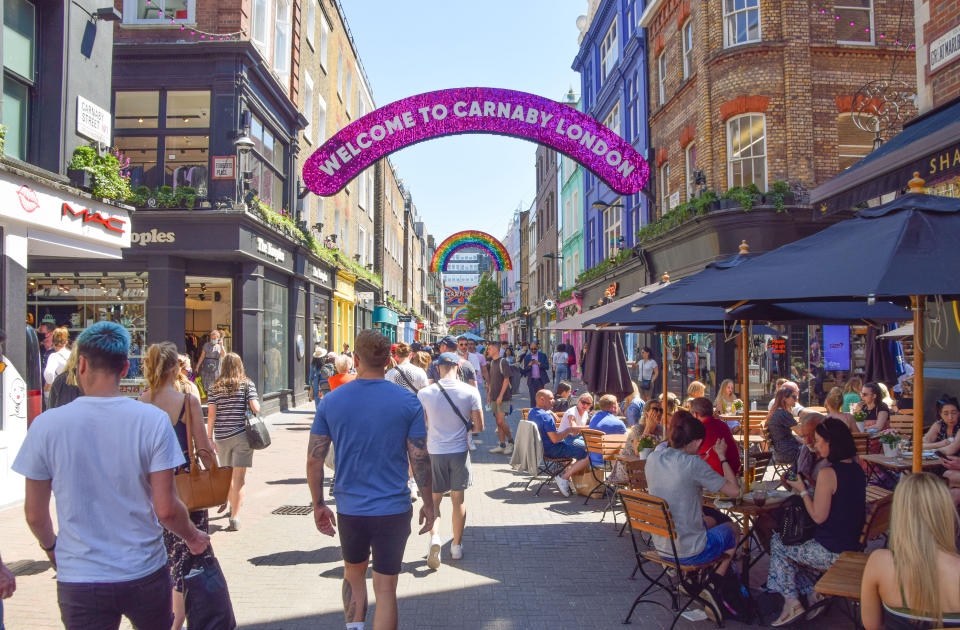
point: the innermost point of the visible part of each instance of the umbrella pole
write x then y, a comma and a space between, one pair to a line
663, 370
744, 366
918, 305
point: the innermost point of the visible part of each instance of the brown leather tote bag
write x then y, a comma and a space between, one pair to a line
201, 489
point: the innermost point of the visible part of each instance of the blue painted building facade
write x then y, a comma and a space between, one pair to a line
612, 63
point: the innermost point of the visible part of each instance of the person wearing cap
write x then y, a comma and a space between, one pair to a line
318, 380
453, 410
465, 371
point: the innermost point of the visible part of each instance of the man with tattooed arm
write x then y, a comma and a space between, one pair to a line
375, 425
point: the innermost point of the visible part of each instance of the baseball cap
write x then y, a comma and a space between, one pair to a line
449, 341
448, 358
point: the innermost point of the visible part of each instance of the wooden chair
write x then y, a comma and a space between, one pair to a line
760, 463
650, 515
636, 470
902, 424
779, 468
607, 447
862, 441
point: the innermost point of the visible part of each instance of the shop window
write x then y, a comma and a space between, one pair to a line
186, 163
142, 153
159, 11
609, 51
321, 321
275, 343
78, 300
747, 151
853, 143
741, 20
854, 23
137, 110
188, 109
19, 63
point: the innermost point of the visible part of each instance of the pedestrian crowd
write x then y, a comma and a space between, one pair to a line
145, 551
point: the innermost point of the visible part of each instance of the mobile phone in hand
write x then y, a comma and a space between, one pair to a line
940, 455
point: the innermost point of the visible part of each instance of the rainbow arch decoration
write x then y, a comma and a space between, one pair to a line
471, 238
460, 322
459, 313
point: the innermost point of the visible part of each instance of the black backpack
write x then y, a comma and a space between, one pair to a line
734, 599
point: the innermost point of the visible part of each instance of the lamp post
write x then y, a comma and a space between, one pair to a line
244, 144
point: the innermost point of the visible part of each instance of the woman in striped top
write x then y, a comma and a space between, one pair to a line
227, 404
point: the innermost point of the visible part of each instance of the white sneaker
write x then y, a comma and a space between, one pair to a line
433, 557
563, 485
496, 449
508, 450
456, 552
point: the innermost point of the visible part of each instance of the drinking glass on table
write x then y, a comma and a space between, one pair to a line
760, 497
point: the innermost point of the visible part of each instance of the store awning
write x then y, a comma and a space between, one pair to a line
929, 145
577, 321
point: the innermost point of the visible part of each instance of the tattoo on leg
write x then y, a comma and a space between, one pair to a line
348, 606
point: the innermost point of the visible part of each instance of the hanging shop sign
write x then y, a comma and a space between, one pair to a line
475, 110
611, 291
93, 121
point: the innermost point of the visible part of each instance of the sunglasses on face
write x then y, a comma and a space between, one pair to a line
866, 394
585, 402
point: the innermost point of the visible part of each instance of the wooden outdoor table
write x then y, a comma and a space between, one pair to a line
754, 439
844, 577
906, 463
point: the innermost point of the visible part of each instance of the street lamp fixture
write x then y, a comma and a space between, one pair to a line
243, 142
601, 205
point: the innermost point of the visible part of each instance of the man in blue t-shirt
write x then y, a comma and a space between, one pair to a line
374, 425
607, 422
553, 440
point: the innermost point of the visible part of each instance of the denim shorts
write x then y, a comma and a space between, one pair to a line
565, 449
719, 539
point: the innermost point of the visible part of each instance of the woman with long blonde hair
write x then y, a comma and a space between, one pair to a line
65, 388
724, 403
851, 393
227, 404
913, 583
161, 368
695, 389
834, 403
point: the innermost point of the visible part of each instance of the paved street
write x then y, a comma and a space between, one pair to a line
529, 562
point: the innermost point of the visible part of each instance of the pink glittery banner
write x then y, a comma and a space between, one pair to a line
475, 110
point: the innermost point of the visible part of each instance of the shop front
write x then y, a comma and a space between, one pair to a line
344, 306
40, 217
320, 300
187, 274
385, 321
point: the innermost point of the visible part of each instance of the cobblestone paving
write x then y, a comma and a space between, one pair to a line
529, 562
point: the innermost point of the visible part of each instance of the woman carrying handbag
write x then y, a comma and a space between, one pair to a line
167, 391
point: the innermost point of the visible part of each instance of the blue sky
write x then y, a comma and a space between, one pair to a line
409, 47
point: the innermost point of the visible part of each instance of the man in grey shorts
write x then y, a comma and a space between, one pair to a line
452, 409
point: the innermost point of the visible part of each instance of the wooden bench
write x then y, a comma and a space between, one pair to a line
844, 577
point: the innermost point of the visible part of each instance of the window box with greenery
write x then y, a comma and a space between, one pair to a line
104, 176
184, 197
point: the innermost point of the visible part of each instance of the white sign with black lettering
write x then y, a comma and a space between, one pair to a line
945, 48
93, 121
269, 249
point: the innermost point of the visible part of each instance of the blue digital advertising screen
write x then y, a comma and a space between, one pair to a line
836, 347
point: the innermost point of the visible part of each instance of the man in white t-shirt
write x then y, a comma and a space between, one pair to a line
450, 406
109, 461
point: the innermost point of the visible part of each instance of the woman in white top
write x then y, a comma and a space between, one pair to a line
648, 371
57, 362
578, 415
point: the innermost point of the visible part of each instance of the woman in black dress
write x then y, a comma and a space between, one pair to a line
162, 368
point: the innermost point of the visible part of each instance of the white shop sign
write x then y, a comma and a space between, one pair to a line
945, 48
269, 249
674, 200
93, 121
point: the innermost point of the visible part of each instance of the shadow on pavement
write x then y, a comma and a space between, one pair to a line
323, 555
292, 481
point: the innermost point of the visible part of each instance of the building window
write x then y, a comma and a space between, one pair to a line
741, 20
665, 188
662, 77
321, 130
310, 24
348, 91
688, 49
747, 151
608, 50
691, 160
853, 143
189, 109
340, 74
362, 245
612, 229
575, 217
275, 343
159, 11
612, 121
19, 61
259, 24
136, 110
324, 40
854, 21
265, 162
281, 43
309, 130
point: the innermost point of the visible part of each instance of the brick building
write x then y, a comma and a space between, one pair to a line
545, 273
760, 91
938, 43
